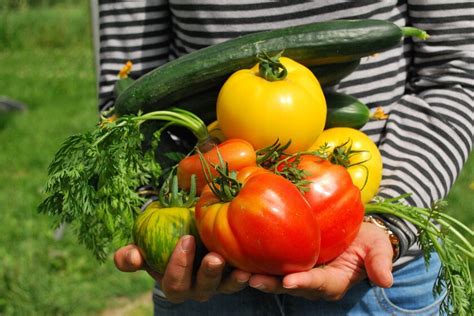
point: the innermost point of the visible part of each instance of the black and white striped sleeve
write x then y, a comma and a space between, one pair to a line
429, 134
139, 31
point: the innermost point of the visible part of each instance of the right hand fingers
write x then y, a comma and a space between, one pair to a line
177, 280
236, 281
176, 283
208, 277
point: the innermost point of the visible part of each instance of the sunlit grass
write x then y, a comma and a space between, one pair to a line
54, 75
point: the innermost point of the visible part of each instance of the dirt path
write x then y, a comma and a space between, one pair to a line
141, 306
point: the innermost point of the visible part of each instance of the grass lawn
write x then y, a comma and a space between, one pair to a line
51, 70
46, 62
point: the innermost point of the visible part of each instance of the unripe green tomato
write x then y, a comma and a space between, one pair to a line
157, 230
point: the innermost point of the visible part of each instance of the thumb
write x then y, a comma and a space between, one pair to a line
128, 259
378, 262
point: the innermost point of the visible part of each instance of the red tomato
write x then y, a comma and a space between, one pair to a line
336, 201
268, 227
237, 153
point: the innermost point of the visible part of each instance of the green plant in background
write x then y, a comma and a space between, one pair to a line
52, 71
55, 76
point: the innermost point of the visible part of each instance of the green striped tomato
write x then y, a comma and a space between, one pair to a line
157, 230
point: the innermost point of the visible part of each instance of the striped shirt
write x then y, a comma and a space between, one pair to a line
426, 87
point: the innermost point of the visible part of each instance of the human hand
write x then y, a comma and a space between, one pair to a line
370, 255
178, 283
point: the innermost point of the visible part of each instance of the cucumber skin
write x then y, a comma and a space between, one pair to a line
345, 111
121, 85
331, 74
311, 44
203, 104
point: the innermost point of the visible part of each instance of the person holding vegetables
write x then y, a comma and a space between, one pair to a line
425, 87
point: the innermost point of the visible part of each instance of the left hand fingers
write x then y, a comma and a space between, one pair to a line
313, 284
267, 283
318, 283
378, 262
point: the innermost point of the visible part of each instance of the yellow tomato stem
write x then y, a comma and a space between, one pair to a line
270, 68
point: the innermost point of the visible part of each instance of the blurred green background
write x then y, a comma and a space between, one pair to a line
46, 62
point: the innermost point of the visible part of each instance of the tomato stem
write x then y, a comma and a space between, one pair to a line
270, 68
171, 196
415, 32
267, 157
225, 186
342, 154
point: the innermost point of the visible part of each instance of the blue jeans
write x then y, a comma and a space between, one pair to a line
411, 294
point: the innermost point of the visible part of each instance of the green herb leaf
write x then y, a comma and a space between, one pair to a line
93, 181
449, 238
94, 177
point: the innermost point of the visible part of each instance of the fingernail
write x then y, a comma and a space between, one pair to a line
242, 280
290, 286
133, 258
213, 264
258, 286
187, 243
391, 281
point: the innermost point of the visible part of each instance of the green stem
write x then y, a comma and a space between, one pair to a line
428, 226
225, 186
457, 222
409, 31
445, 223
379, 209
458, 234
182, 118
171, 196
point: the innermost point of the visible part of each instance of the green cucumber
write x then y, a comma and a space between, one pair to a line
331, 74
203, 104
121, 85
345, 111
311, 44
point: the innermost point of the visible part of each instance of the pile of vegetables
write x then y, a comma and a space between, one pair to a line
279, 179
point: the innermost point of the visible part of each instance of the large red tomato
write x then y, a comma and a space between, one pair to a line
237, 153
268, 227
336, 202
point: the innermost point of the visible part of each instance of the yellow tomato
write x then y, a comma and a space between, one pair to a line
261, 111
365, 167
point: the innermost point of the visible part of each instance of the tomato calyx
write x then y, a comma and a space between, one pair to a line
267, 157
288, 168
270, 68
171, 196
225, 185
342, 154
